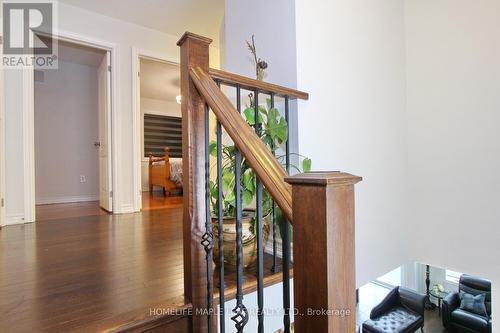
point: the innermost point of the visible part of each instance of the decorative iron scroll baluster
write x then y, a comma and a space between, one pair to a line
240, 311
208, 236
273, 268
259, 231
221, 227
286, 242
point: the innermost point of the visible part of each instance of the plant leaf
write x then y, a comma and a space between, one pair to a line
230, 198
212, 148
247, 198
249, 115
248, 180
306, 164
227, 181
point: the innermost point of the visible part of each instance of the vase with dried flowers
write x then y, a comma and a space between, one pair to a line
260, 65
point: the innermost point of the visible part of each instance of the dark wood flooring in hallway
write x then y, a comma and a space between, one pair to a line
89, 273
96, 273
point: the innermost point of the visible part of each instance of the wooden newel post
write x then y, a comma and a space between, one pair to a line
324, 252
194, 53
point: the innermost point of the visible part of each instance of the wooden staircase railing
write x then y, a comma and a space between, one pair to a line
260, 158
319, 204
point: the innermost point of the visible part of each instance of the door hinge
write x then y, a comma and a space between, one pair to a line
109, 68
3, 202
110, 194
1, 40
138, 74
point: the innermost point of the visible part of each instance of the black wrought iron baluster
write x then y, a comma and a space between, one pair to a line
274, 269
208, 237
286, 241
287, 118
240, 311
220, 227
259, 231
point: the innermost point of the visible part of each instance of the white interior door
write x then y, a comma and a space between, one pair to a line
105, 179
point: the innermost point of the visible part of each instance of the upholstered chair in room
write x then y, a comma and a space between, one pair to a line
401, 311
460, 317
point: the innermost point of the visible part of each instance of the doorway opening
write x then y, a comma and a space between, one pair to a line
158, 97
72, 108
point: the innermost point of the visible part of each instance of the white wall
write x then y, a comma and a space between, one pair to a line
273, 309
350, 58
14, 193
275, 40
453, 104
76, 21
66, 127
158, 107
274, 30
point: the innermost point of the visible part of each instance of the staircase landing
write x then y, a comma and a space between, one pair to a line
99, 273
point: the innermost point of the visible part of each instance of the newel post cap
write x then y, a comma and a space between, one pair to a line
191, 36
323, 178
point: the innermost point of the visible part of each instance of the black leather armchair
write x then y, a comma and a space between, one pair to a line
462, 321
401, 311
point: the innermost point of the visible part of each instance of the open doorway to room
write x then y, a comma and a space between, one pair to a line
161, 133
72, 134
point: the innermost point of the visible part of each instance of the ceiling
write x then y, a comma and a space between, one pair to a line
173, 16
159, 80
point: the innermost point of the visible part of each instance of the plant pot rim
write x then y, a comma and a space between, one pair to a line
248, 211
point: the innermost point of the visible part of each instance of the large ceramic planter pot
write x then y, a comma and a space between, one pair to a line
248, 237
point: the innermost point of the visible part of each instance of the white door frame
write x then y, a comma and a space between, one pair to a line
29, 113
2, 149
138, 54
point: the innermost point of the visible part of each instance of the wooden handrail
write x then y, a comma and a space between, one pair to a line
251, 84
322, 211
259, 157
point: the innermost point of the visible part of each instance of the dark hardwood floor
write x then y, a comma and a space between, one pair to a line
153, 201
96, 273
89, 273
68, 210
156, 200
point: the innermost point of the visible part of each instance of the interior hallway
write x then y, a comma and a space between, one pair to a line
91, 208
97, 272
89, 273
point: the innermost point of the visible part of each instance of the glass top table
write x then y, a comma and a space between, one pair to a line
439, 295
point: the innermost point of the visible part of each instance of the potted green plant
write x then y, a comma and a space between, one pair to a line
274, 133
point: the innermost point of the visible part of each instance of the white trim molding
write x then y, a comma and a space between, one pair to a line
29, 144
67, 199
126, 209
28, 124
14, 219
137, 54
2, 147
114, 50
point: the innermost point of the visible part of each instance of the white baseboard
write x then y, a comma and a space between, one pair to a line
126, 209
14, 219
67, 199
